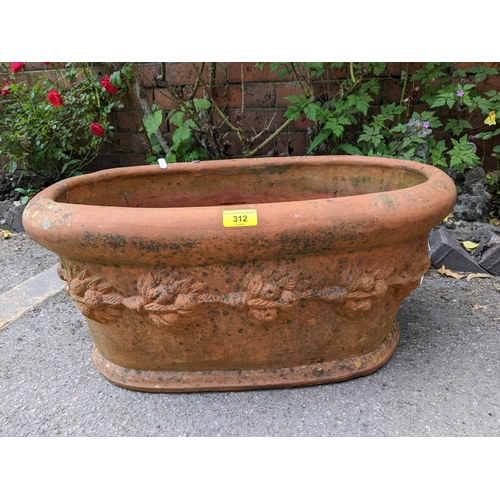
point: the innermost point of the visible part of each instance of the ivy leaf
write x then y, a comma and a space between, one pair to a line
152, 122
181, 134
202, 104
177, 118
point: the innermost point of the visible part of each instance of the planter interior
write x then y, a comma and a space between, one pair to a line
179, 299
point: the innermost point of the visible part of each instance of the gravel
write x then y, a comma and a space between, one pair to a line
443, 379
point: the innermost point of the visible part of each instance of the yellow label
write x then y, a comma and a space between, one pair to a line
235, 218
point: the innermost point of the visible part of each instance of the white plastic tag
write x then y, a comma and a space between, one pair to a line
162, 163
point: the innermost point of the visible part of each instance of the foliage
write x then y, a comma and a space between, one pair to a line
27, 193
198, 127
52, 129
345, 120
430, 122
55, 128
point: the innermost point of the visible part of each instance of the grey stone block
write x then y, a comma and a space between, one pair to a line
5, 206
490, 259
471, 207
445, 250
14, 218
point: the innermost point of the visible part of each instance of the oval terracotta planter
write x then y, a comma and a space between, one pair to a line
242, 274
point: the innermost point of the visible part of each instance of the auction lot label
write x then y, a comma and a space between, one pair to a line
236, 218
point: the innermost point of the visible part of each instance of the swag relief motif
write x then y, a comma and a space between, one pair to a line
169, 299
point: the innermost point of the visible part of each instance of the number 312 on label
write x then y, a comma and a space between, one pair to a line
235, 218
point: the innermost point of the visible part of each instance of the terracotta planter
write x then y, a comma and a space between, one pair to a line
242, 274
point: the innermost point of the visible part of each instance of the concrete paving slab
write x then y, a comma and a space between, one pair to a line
28, 295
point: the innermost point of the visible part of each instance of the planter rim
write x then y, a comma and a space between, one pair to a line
413, 210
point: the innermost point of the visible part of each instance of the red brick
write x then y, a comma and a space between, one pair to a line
265, 149
236, 148
342, 72
230, 95
326, 90
284, 90
391, 90
129, 101
129, 143
301, 124
127, 121
148, 73
185, 73
257, 119
252, 74
280, 142
419, 107
164, 100
220, 73
103, 161
491, 83
490, 163
33, 66
133, 159
467, 65
259, 95
297, 140
395, 69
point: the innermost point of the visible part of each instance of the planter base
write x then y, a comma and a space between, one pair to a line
241, 380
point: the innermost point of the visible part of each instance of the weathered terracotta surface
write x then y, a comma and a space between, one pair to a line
176, 301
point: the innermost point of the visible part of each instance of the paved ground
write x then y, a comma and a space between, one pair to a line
443, 380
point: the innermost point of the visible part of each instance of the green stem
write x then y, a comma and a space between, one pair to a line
405, 81
351, 70
270, 138
403, 90
198, 81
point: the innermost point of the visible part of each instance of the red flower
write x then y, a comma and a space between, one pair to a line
16, 66
105, 82
5, 90
54, 98
45, 63
96, 129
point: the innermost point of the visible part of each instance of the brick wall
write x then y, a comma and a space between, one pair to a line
264, 99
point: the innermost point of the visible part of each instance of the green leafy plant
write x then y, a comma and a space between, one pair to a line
198, 127
27, 194
52, 128
345, 120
